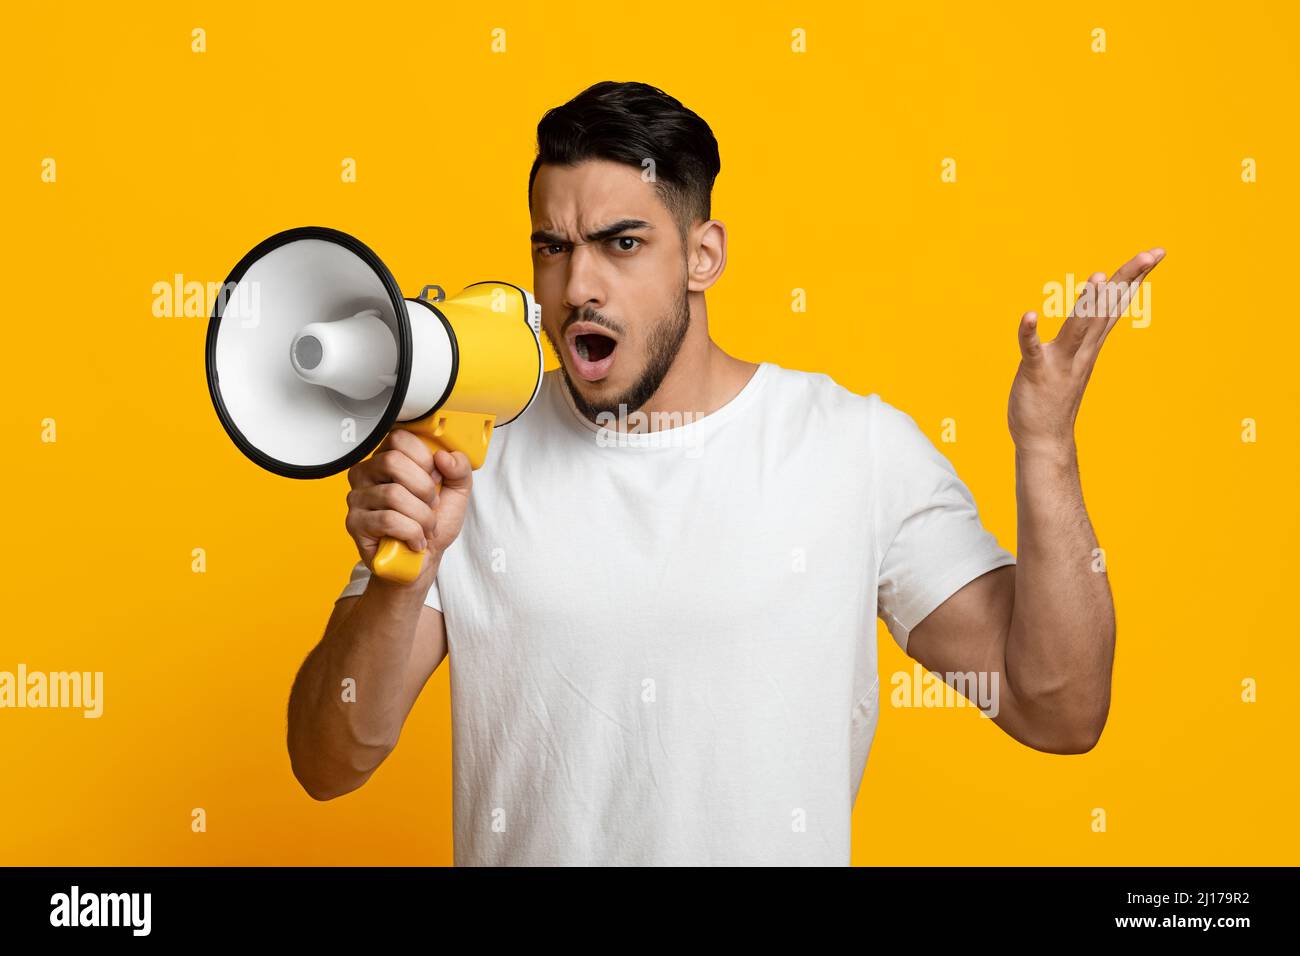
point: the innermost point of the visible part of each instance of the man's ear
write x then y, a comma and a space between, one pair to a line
706, 254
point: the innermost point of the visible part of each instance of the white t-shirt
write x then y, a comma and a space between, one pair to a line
663, 646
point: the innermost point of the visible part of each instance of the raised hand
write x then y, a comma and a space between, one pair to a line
1048, 387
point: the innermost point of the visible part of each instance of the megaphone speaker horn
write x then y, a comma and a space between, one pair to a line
313, 355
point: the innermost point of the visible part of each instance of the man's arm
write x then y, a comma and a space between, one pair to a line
388, 642
1044, 629
355, 688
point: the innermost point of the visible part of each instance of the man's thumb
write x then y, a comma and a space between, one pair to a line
455, 468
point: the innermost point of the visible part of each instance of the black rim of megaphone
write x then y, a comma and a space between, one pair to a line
352, 244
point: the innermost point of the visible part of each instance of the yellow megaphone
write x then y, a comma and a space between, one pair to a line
313, 355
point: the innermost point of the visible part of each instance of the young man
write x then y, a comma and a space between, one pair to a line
659, 600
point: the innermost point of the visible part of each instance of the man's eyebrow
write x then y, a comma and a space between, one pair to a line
605, 232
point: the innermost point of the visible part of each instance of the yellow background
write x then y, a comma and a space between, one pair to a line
1069, 161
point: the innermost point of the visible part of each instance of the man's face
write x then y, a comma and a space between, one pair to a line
609, 272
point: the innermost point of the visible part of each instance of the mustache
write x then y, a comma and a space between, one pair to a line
595, 318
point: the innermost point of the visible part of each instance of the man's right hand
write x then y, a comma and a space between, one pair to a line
407, 492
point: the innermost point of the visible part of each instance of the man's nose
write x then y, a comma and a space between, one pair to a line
583, 285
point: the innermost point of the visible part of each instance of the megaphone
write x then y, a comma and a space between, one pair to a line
313, 355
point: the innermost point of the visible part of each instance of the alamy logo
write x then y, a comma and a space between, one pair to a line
102, 909
181, 298
925, 688
73, 689
653, 430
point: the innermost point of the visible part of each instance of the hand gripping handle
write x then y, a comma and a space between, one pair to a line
450, 431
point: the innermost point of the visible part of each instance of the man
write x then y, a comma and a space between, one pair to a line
659, 601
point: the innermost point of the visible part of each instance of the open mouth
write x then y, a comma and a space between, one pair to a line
592, 350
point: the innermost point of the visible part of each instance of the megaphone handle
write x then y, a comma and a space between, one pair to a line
450, 431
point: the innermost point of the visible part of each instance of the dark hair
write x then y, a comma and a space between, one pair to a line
630, 123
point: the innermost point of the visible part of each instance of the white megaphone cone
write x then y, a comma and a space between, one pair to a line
356, 356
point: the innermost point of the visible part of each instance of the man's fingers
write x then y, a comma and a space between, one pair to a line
393, 465
1080, 319
1031, 347
1085, 303
1125, 284
412, 445
1138, 266
1096, 314
391, 496
387, 524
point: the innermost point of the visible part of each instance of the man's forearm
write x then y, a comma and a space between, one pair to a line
339, 733
1061, 642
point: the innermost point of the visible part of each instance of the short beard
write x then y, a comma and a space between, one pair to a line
665, 342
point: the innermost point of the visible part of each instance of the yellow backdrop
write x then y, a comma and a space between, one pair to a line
174, 152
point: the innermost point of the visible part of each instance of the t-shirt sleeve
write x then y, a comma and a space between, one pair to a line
361, 575
930, 539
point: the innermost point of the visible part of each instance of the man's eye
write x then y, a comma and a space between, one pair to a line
627, 239
545, 250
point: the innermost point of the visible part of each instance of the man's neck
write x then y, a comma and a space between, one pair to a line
702, 379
